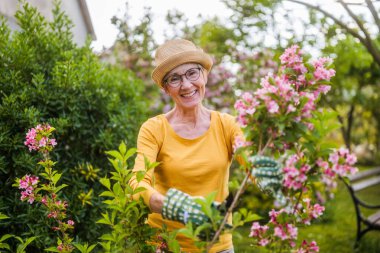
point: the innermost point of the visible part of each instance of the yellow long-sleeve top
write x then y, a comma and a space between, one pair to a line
195, 166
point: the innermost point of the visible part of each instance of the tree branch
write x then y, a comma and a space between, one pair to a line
375, 15
340, 23
357, 21
372, 49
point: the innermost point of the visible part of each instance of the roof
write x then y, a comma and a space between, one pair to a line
87, 18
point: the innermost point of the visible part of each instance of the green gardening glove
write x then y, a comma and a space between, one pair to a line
181, 207
268, 173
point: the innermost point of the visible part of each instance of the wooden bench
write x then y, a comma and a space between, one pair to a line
356, 183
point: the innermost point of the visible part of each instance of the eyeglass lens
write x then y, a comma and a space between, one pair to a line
191, 75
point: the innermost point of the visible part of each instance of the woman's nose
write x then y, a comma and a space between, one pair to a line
186, 82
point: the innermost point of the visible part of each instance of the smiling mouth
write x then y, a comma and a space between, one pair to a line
187, 95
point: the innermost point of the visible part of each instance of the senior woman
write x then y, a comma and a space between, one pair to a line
193, 145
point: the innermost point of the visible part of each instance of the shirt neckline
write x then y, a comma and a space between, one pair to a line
177, 136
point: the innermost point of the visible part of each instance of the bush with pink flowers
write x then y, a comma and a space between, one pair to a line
281, 119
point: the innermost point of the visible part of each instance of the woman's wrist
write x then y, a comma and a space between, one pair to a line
156, 202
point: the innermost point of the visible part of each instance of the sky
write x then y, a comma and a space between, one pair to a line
102, 11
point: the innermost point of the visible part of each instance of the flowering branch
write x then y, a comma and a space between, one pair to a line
38, 139
283, 114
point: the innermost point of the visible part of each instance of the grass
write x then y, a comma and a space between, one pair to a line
336, 232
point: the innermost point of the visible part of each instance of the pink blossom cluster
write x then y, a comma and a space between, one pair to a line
295, 172
246, 106
340, 163
62, 247
289, 93
260, 232
38, 138
163, 246
306, 247
285, 228
284, 231
310, 212
28, 183
321, 73
239, 142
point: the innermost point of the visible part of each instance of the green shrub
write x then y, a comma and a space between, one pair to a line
45, 77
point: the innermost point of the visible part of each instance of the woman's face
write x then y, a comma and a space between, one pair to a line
188, 94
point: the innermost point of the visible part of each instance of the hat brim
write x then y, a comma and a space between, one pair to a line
178, 59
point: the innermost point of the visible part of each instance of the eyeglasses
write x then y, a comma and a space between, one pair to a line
175, 80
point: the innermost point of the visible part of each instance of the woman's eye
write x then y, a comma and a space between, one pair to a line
174, 79
192, 73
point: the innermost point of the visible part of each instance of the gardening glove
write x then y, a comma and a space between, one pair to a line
181, 207
268, 173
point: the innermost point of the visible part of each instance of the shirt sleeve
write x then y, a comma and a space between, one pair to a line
148, 145
232, 131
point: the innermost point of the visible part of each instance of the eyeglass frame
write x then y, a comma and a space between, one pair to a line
200, 69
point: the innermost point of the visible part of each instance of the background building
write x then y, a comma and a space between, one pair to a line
76, 9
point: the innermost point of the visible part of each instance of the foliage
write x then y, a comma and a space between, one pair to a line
125, 217
286, 106
340, 225
44, 76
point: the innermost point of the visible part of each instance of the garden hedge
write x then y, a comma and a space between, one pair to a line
46, 77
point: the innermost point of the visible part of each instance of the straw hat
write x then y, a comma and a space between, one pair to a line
175, 52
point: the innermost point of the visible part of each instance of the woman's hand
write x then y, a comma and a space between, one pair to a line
268, 173
156, 202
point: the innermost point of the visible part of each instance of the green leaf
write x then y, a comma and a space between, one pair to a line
187, 231
52, 249
138, 189
140, 175
5, 246
60, 187
3, 216
107, 194
5, 237
108, 237
106, 219
106, 182
56, 178
117, 190
122, 148
84, 248
130, 153
115, 154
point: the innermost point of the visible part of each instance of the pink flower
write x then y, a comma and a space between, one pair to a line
70, 222
60, 247
31, 199
280, 232
263, 242
43, 142
44, 200
37, 138
308, 248
23, 184
53, 142
53, 214
272, 106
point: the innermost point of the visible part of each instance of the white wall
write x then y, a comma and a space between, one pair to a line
71, 7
